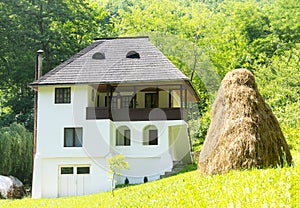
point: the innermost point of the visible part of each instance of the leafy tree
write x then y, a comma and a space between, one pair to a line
59, 27
16, 152
116, 164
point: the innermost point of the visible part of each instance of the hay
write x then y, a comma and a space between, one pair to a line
244, 133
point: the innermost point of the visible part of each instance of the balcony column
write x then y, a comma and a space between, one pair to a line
185, 98
108, 99
157, 97
170, 98
134, 97
181, 102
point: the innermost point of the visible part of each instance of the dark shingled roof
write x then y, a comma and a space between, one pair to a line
115, 68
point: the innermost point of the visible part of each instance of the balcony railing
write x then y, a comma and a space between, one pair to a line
136, 114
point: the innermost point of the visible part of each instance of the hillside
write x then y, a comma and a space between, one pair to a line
279, 187
204, 39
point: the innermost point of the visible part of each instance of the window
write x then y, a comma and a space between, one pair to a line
79, 170
123, 136
83, 170
153, 137
73, 137
98, 55
98, 100
66, 170
133, 55
150, 136
93, 95
126, 102
63, 95
150, 100
114, 102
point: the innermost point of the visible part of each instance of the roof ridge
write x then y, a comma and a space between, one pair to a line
122, 37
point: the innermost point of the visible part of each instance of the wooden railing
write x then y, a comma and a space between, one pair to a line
136, 114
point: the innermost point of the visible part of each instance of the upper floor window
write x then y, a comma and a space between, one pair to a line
123, 136
63, 95
150, 135
151, 100
126, 102
73, 137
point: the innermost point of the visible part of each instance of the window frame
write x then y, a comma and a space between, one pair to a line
151, 100
153, 141
147, 141
62, 95
83, 168
122, 138
74, 134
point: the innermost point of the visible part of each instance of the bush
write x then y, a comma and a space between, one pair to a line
145, 179
126, 182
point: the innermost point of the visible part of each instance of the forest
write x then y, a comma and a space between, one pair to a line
203, 38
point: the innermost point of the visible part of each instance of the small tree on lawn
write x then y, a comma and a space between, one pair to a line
116, 164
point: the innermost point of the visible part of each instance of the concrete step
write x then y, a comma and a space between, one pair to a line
177, 166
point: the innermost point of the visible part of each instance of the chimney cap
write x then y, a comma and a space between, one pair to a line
40, 51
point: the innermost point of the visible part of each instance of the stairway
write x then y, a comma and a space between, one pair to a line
177, 166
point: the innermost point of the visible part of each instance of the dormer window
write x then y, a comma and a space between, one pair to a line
133, 54
98, 56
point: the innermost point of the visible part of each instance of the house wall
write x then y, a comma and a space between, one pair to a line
179, 143
98, 144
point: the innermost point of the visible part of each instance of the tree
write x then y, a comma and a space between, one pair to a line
116, 164
16, 146
59, 27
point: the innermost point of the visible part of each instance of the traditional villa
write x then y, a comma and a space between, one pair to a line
118, 95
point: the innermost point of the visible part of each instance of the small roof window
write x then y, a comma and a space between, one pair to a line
98, 55
133, 54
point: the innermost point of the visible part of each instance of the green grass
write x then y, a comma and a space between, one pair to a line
279, 187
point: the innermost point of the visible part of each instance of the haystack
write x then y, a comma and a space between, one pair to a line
244, 133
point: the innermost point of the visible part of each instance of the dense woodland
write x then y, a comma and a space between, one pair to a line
204, 39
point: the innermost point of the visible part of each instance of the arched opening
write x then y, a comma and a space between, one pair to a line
150, 135
98, 55
123, 136
133, 54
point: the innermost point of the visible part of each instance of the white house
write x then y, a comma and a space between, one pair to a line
118, 95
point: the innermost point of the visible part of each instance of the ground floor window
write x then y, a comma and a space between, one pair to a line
75, 170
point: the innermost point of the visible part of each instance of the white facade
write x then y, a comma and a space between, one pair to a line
65, 171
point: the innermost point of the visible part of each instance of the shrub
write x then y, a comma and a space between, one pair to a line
126, 182
145, 179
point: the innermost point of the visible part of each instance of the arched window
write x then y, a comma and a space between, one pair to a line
133, 54
123, 136
98, 55
150, 135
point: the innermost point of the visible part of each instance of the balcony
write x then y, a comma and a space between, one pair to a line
136, 114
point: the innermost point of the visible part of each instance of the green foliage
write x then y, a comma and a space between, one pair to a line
253, 188
279, 83
213, 37
16, 146
59, 27
116, 164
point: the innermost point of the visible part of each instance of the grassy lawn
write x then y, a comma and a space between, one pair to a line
279, 187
